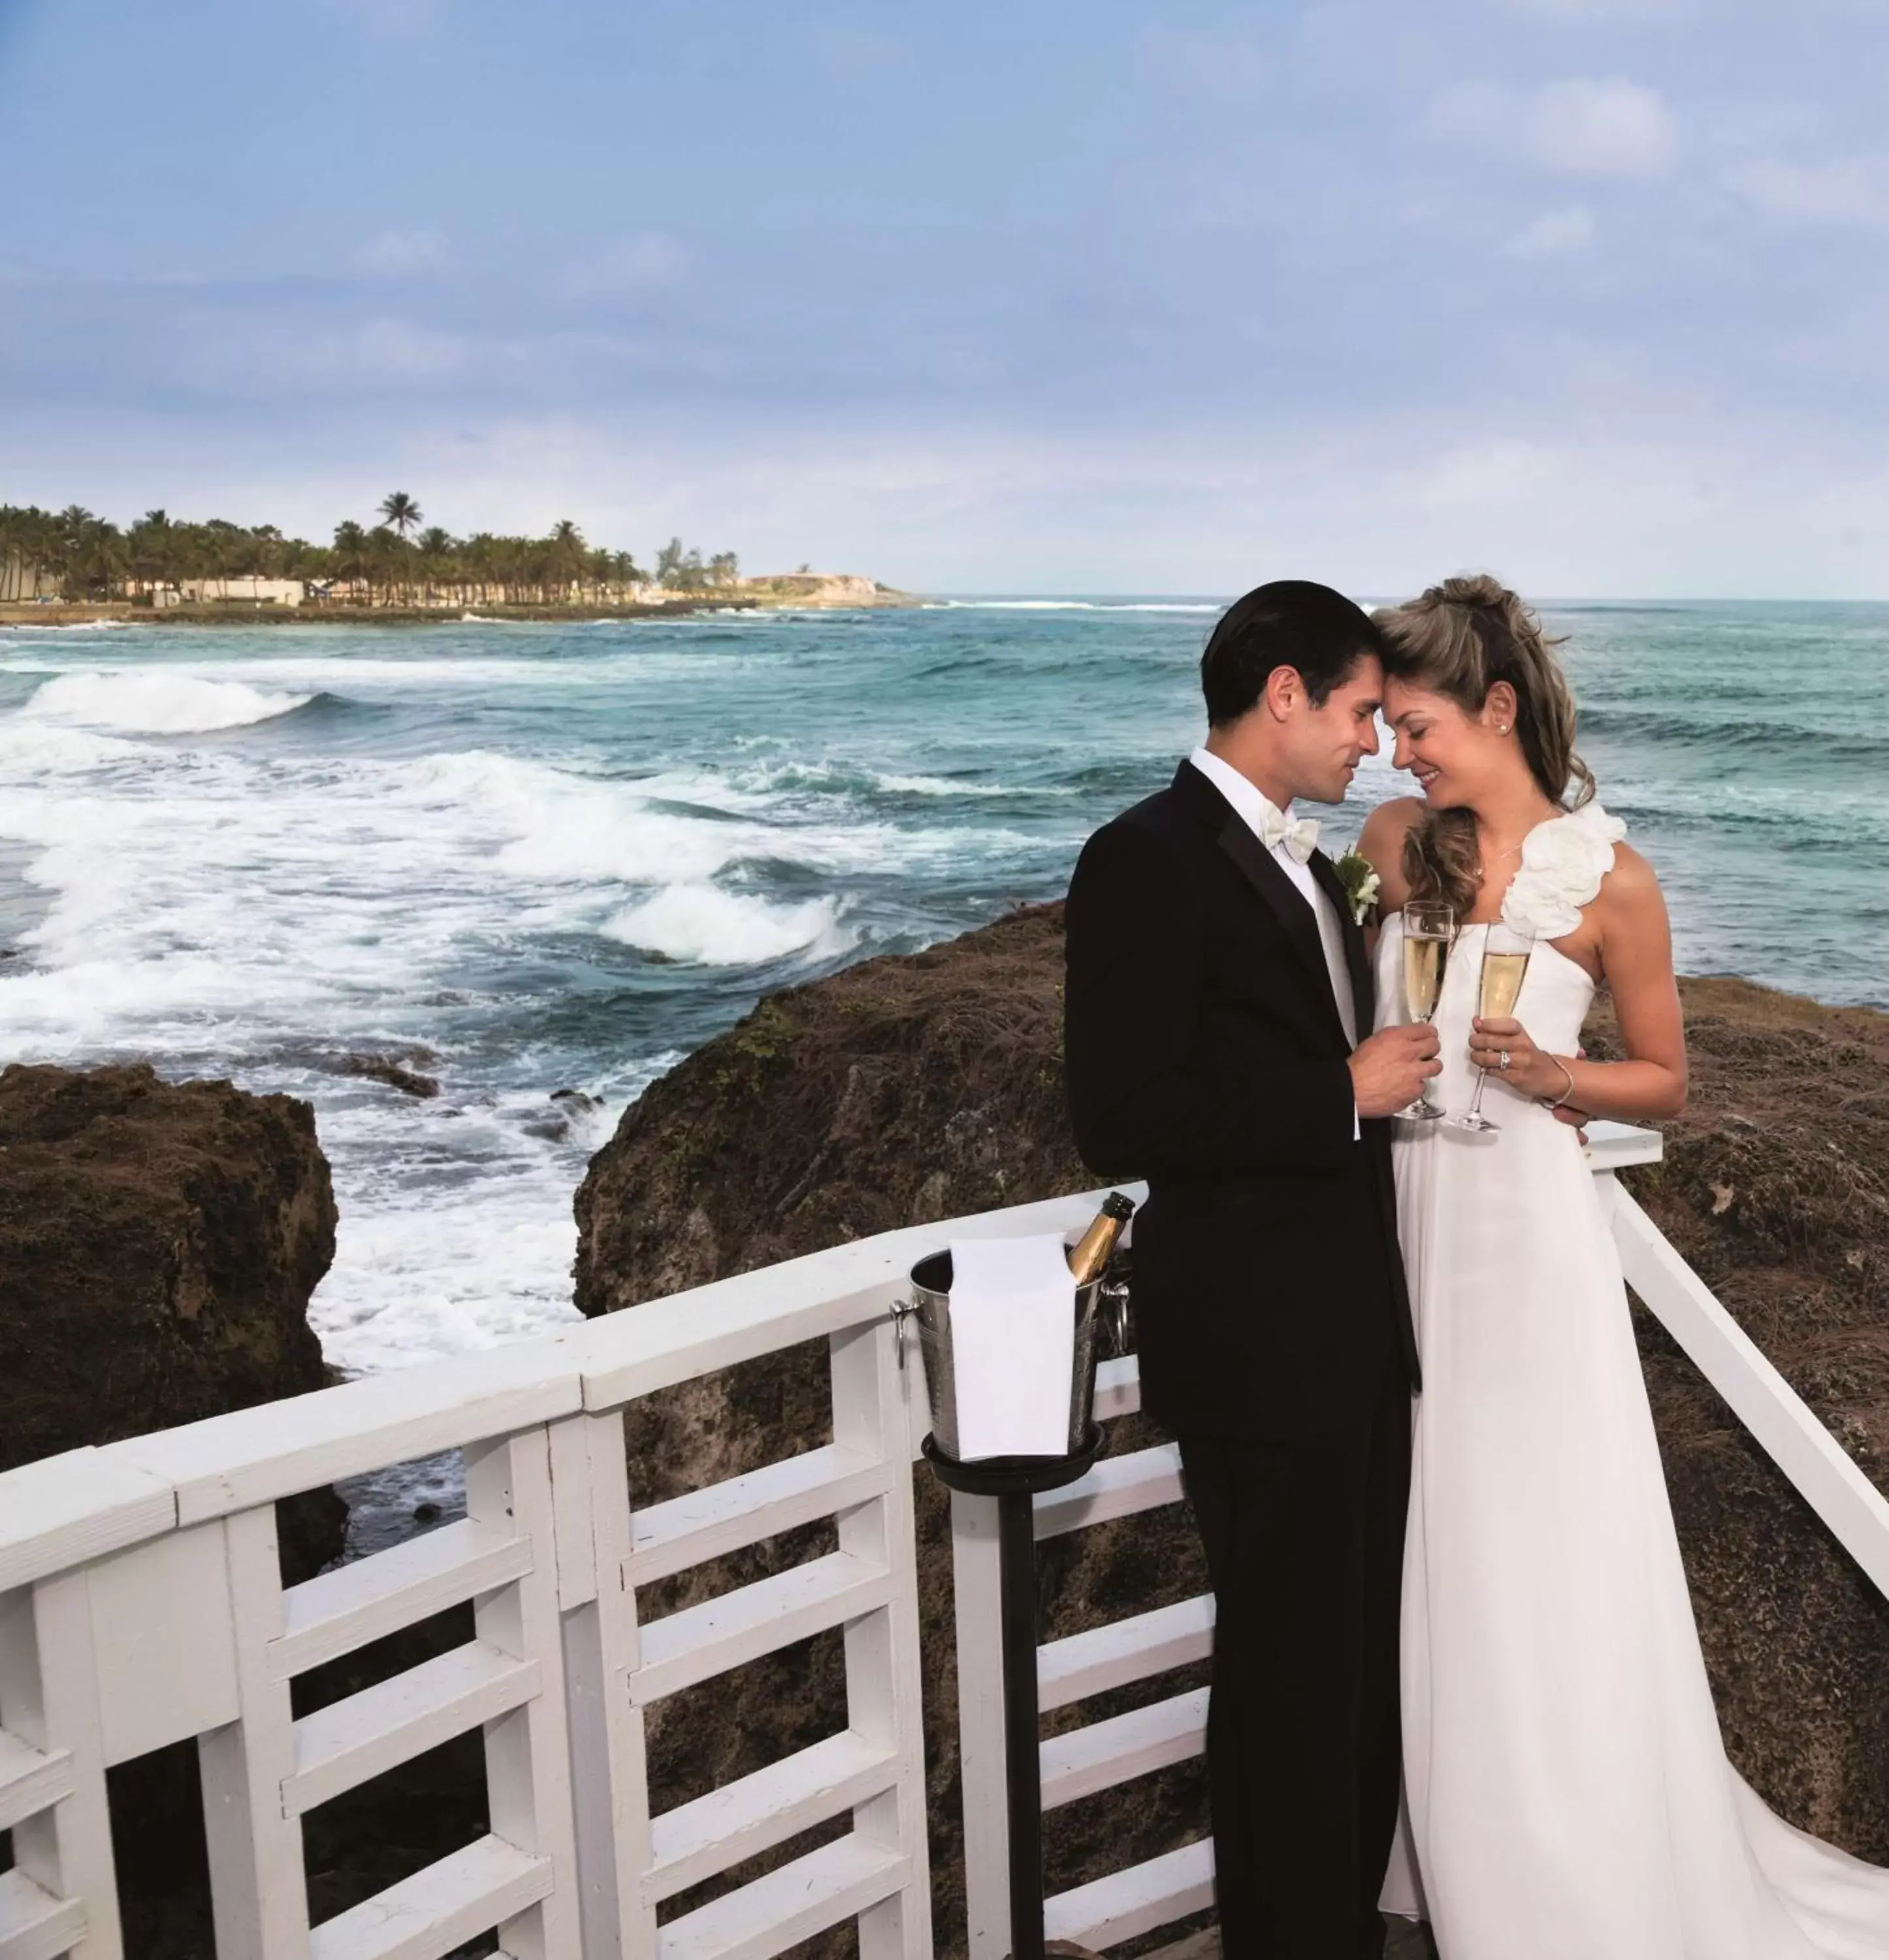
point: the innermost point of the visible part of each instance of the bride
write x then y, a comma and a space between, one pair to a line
1569, 1796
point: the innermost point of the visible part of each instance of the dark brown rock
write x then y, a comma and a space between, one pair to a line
158, 1244
394, 1073
899, 1090
906, 1090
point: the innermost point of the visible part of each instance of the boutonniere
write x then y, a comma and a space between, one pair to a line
1360, 881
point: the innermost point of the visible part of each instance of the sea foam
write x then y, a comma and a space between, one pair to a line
136, 701
706, 926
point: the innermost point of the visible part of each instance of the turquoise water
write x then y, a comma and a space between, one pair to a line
537, 858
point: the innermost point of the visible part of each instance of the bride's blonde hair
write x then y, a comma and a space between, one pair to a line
1458, 640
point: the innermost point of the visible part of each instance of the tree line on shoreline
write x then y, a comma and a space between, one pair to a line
400, 560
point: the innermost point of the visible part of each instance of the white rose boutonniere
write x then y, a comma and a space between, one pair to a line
1361, 884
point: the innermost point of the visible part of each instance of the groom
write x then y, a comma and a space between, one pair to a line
1219, 1041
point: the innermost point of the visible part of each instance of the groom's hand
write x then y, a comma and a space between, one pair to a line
1389, 1069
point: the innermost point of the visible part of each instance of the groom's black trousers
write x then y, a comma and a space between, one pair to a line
1305, 1545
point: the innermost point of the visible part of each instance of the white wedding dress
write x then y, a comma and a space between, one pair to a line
1568, 1795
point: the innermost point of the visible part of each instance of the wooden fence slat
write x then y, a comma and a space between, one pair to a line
30, 1780
1081, 1762
722, 1518
259, 1888
791, 1904
1117, 1487
976, 1581
339, 1611
34, 1925
742, 1819
609, 1771
1127, 1903
1101, 1658
735, 1627
48, 1702
884, 1668
489, 1883
527, 1752
348, 1743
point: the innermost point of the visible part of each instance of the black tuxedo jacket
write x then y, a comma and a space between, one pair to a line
1205, 1051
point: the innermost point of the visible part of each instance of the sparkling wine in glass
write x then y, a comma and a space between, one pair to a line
1430, 930
1505, 966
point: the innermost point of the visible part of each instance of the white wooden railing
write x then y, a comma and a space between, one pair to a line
141, 1603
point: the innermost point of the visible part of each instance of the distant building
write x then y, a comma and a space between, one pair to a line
243, 591
20, 582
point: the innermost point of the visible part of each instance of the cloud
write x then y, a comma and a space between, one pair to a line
401, 254
396, 20
1230, 67
645, 261
1576, 11
1851, 191
853, 53
250, 357
1495, 473
1555, 234
1576, 128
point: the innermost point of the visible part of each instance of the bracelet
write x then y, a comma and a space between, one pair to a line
1567, 1076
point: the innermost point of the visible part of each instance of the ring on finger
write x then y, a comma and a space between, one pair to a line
1502, 1061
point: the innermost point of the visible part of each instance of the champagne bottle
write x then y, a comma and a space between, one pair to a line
1088, 1257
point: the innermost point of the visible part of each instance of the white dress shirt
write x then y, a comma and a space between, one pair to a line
1252, 806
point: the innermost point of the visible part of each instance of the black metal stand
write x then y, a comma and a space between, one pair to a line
1014, 1481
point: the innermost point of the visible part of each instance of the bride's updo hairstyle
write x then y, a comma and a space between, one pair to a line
1458, 640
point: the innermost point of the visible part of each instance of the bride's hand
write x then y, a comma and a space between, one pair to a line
1530, 1070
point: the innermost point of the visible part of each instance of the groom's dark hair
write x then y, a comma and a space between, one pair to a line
1289, 623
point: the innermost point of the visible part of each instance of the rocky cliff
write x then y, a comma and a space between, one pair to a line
906, 1089
158, 1245
825, 591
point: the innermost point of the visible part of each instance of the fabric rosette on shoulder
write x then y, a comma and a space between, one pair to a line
1562, 863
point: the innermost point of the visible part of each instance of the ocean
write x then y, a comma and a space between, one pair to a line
532, 859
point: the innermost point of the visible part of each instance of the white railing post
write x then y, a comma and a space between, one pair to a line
49, 1704
258, 1886
976, 1586
527, 1753
884, 1676
608, 1759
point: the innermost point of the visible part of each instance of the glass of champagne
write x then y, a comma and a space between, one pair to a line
1430, 930
1504, 964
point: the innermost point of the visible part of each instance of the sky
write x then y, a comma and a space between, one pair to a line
1041, 296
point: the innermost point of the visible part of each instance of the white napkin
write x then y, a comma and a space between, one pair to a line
1013, 1346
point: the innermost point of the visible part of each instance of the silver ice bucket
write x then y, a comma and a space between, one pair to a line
1101, 1328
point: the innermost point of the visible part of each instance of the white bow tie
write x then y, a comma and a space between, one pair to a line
1299, 837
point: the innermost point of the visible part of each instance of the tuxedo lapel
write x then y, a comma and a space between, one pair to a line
1363, 988
1263, 872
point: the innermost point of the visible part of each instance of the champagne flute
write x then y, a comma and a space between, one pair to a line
1504, 964
1430, 930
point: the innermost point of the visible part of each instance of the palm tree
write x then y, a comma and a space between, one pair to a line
436, 548
350, 554
401, 514
152, 549
564, 560
387, 555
